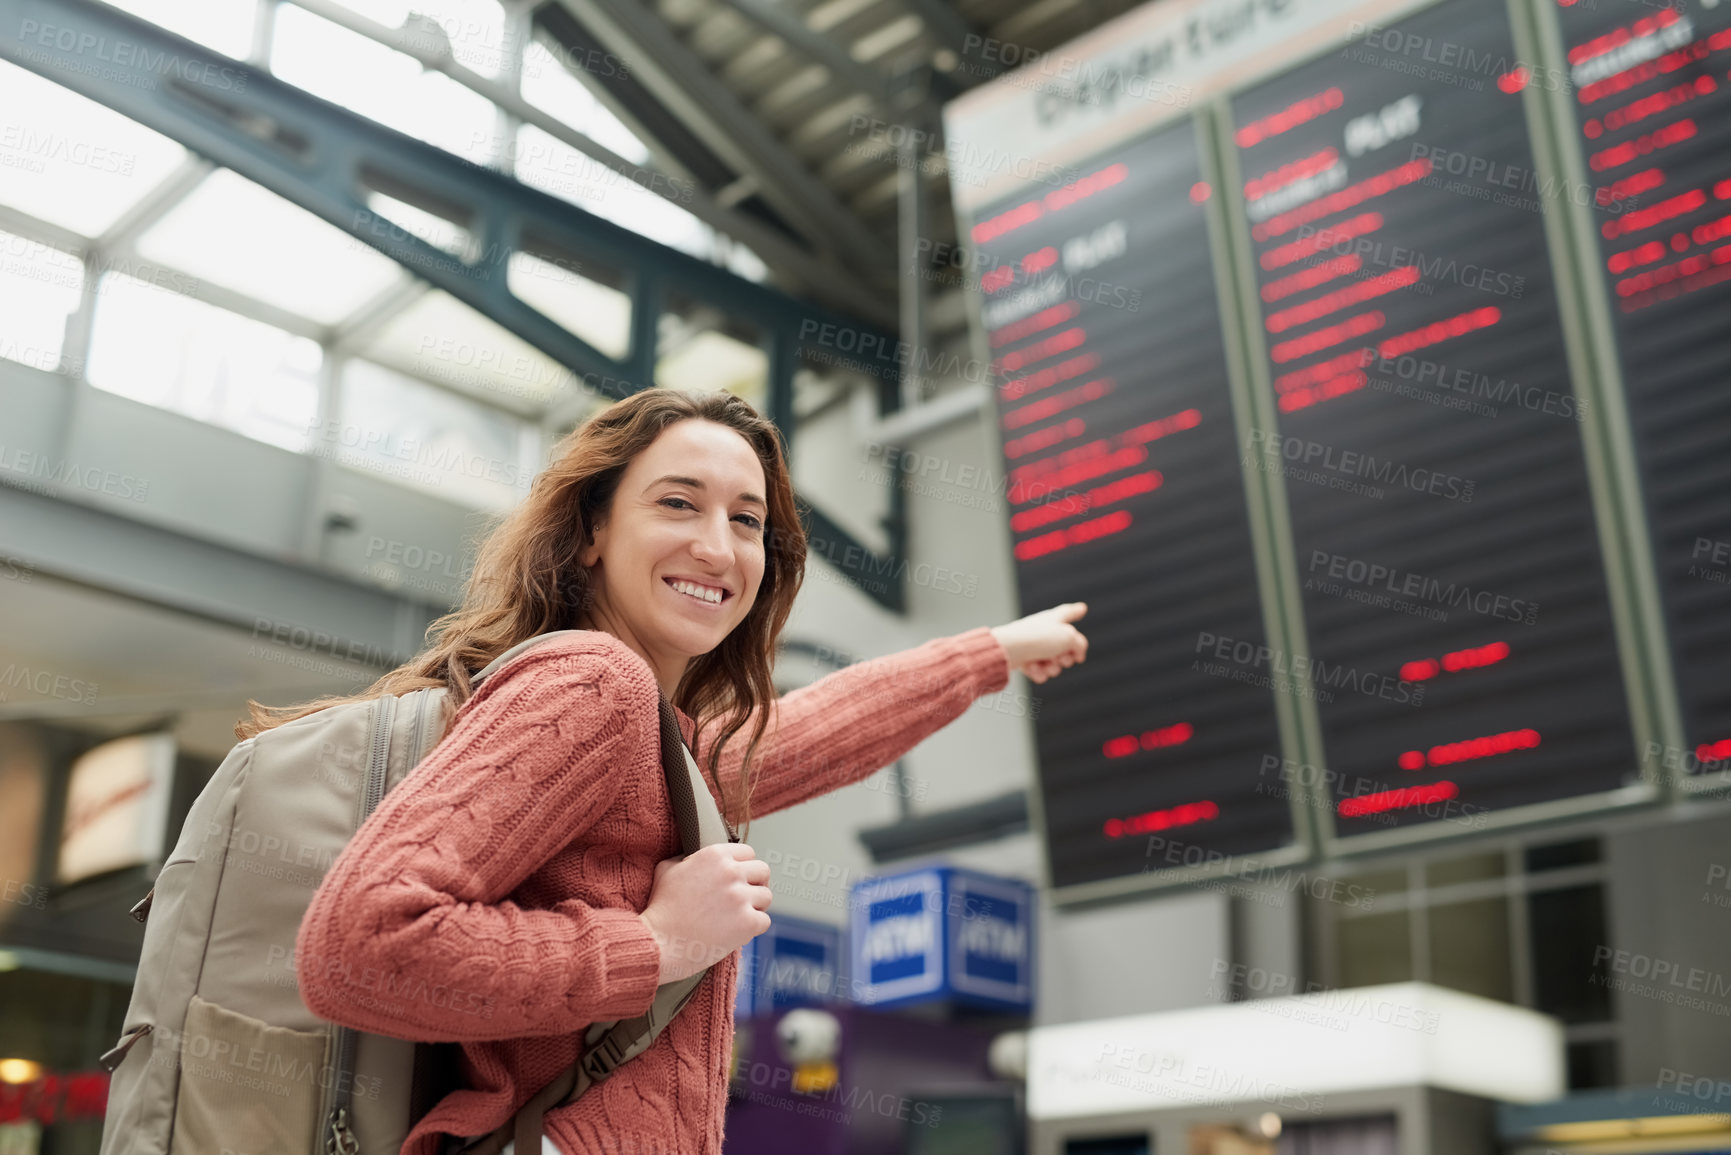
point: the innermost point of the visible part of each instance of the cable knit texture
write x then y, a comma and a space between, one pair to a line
492, 897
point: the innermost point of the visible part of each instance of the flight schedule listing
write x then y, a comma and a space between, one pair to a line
1124, 490
1652, 99
1461, 654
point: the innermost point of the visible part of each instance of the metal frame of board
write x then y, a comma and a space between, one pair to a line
1572, 231
1607, 448
1633, 604
1269, 591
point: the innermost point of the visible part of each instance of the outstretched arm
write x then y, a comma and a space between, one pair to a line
411, 933
859, 719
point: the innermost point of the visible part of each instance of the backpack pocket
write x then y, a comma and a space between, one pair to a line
245, 1086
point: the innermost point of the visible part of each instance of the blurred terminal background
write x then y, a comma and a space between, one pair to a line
1362, 364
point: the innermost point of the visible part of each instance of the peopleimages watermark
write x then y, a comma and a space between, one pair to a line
1681, 764
1247, 657
1487, 178
1461, 388
1446, 61
832, 1102
1346, 469
1662, 980
123, 61
1390, 587
1333, 1007
1707, 554
1066, 84
1173, 853
1432, 268
50, 476
1309, 783
1172, 1076
46, 684
968, 163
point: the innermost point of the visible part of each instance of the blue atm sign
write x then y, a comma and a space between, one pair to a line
943, 934
794, 963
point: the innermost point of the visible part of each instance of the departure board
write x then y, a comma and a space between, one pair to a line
1460, 636
1653, 107
1124, 491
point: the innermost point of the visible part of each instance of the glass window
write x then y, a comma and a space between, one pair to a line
549, 86
72, 161
1472, 868
225, 25
441, 339
1469, 948
1374, 949
549, 164
156, 346
1569, 937
701, 350
1562, 855
599, 313
39, 288
420, 435
240, 235
382, 84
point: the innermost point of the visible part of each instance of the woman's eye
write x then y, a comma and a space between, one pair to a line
683, 504
751, 521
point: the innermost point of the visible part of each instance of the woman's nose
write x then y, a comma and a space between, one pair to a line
712, 541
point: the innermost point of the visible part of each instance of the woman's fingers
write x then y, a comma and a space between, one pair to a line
756, 871
760, 897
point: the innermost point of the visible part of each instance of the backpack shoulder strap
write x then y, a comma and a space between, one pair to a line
607, 1045
493, 666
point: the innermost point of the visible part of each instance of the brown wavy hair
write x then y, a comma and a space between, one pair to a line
526, 581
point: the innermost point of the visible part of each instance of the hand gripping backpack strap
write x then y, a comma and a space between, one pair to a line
609, 1044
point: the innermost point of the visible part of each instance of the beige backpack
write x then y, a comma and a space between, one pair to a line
219, 1056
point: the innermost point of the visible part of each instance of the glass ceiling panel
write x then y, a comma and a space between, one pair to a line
553, 166
444, 340
39, 289
412, 433
225, 25
71, 161
598, 313
549, 86
163, 349
382, 84
234, 233
474, 28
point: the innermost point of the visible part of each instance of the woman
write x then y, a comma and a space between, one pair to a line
528, 864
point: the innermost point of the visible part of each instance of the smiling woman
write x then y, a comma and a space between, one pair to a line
532, 860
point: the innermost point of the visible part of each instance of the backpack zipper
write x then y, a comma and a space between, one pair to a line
341, 1139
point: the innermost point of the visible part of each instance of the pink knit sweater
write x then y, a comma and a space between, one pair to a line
494, 893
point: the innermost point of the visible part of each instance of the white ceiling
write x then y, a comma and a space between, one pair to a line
145, 662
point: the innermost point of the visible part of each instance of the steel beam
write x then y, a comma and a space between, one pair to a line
774, 16
951, 29
161, 567
683, 81
323, 158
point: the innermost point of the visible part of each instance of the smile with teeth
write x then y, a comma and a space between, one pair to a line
702, 593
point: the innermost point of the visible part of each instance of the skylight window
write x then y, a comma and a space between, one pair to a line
383, 84
237, 234
225, 25
167, 350
70, 161
39, 288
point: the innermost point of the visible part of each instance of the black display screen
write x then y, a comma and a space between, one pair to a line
1651, 98
1125, 492
1459, 633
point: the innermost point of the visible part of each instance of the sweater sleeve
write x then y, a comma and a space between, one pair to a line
411, 933
854, 722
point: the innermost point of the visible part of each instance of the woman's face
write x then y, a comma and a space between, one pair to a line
679, 559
